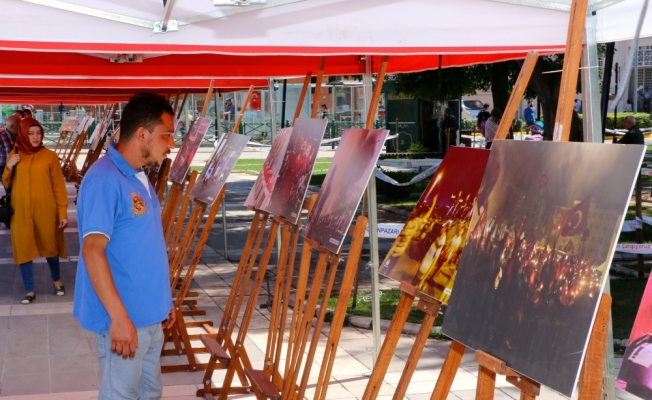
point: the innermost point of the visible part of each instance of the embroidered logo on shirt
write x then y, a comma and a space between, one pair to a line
138, 205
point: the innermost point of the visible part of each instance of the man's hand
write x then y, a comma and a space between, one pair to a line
62, 224
169, 321
124, 337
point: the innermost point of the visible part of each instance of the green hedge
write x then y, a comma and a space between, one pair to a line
642, 120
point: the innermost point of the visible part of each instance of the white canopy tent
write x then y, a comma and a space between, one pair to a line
112, 41
79, 38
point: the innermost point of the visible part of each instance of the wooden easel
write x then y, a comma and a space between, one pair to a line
590, 384
427, 304
72, 145
158, 179
229, 354
303, 318
179, 251
73, 171
179, 331
94, 154
176, 191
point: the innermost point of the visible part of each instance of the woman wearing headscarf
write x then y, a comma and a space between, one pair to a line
40, 201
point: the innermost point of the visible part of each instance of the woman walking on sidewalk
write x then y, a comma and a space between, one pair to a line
40, 201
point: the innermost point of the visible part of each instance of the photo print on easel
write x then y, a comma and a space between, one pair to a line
218, 168
188, 149
635, 374
261, 192
429, 247
69, 124
537, 254
343, 187
292, 181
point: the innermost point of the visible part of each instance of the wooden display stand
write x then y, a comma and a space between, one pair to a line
264, 382
230, 354
94, 154
158, 179
176, 191
178, 333
427, 304
71, 153
590, 384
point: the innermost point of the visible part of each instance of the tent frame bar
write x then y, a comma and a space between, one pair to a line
166, 24
551, 5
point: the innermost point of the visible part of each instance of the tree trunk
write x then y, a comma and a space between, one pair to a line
547, 88
499, 84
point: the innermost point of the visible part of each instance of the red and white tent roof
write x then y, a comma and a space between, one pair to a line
54, 43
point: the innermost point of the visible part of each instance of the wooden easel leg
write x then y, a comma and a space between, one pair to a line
351, 268
319, 323
448, 371
431, 309
240, 358
590, 386
303, 327
389, 346
486, 384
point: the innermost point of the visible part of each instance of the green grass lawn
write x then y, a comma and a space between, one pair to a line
253, 167
388, 301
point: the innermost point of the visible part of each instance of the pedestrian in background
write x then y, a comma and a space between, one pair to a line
448, 129
492, 126
528, 115
7, 142
40, 201
634, 134
483, 116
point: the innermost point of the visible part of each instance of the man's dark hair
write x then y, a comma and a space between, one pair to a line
20, 112
27, 111
497, 112
144, 109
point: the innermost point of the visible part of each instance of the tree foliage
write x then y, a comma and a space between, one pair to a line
453, 83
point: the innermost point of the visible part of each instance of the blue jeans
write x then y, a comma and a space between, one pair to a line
27, 271
133, 379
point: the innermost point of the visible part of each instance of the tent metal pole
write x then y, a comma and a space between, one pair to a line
592, 126
373, 225
272, 110
606, 85
591, 82
285, 89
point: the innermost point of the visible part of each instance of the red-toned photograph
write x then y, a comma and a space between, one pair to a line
189, 147
345, 182
429, 247
298, 162
218, 167
261, 192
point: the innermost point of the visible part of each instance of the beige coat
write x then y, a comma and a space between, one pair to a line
40, 200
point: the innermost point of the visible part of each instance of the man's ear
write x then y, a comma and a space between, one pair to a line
141, 134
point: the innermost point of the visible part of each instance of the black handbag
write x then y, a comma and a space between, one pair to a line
5, 204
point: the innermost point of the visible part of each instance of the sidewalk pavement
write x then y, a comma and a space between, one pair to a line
44, 354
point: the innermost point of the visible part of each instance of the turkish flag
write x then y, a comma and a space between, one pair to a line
576, 220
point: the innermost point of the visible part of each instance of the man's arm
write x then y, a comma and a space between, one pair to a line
124, 338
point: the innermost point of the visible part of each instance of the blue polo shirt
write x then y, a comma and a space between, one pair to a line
113, 201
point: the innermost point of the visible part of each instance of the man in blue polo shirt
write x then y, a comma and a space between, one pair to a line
122, 291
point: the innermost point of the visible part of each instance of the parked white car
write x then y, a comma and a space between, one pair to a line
473, 107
